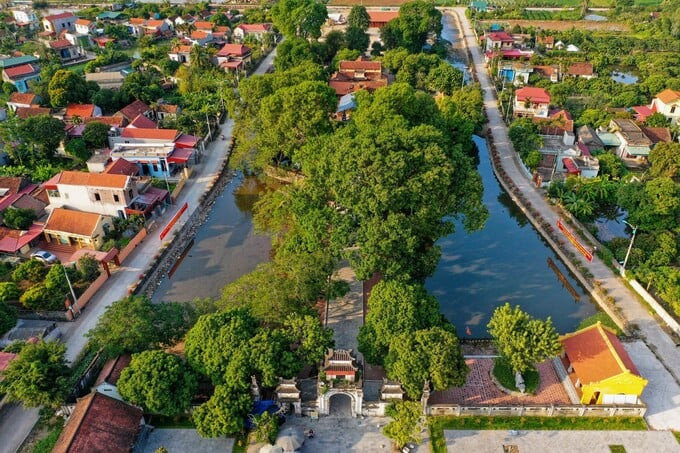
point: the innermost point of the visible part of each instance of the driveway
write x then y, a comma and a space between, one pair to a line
631, 308
186, 441
15, 422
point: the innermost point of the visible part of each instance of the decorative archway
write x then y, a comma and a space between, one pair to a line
356, 397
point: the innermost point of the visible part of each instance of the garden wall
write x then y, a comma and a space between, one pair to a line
91, 291
663, 314
543, 411
134, 242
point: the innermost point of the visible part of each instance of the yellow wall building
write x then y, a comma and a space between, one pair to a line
600, 368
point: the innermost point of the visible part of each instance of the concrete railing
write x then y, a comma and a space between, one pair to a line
663, 314
542, 411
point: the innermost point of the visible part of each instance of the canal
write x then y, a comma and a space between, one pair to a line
506, 261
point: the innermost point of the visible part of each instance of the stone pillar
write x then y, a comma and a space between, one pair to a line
255, 389
359, 402
426, 396
297, 408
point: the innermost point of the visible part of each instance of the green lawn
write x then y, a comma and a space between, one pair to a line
439, 424
603, 318
77, 68
504, 374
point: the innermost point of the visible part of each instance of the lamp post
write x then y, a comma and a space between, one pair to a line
630, 247
73, 293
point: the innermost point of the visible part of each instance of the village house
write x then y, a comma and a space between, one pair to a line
65, 49
549, 72
181, 53
233, 57
515, 72
169, 111
27, 112
81, 111
204, 25
632, 142
57, 23
158, 160
531, 101
77, 228
142, 122
583, 70
21, 75
136, 107
107, 380
378, 19
548, 42
588, 137
25, 17
498, 40
84, 26
257, 31
600, 368
356, 75
200, 37
668, 104
17, 100
346, 105
101, 193
100, 423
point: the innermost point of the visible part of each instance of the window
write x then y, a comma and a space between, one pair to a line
116, 198
97, 197
155, 168
673, 109
53, 193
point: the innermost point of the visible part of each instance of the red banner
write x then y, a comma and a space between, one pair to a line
174, 220
574, 240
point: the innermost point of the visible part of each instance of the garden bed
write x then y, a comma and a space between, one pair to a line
506, 378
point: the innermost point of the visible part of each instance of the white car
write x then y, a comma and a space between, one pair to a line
45, 257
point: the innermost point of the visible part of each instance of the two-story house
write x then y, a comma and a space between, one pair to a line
498, 40
102, 193
56, 23
65, 49
668, 104
255, 30
634, 143
25, 17
200, 37
532, 101
233, 57
158, 160
84, 26
181, 53
21, 75
136, 107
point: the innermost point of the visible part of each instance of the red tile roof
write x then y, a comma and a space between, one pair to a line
657, 134
26, 112
23, 98
150, 134
347, 65
167, 108
137, 21
499, 36
73, 222
122, 167
58, 16
535, 94
83, 22
342, 87
60, 44
21, 70
80, 110
153, 23
142, 122
100, 424
203, 25
199, 34
11, 241
237, 50
108, 120
132, 110
5, 358
111, 371
581, 69
254, 27
597, 354
668, 96
81, 178
382, 16
182, 49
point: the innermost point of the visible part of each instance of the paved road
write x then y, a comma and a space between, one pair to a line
16, 422
562, 441
632, 310
346, 314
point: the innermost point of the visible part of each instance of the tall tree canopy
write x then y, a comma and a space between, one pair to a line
302, 18
522, 340
223, 414
67, 87
417, 20
159, 382
395, 308
358, 18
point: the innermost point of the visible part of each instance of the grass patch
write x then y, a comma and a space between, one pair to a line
617, 449
441, 423
504, 374
677, 435
603, 318
46, 444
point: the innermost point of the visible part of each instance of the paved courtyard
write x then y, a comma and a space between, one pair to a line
481, 390
346, 314
561, 441
186, 441
662, 394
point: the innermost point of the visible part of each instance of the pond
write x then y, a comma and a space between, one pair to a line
225, 247
507, 261
610, 225
626, 78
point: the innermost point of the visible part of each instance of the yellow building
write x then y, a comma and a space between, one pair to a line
77, 228
600, 368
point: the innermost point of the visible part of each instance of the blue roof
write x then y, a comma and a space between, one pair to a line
16, 61
110, 15
495, 27
347, 102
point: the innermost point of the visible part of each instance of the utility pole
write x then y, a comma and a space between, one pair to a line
630, 247
73, 293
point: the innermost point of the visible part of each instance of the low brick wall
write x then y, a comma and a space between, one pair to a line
542, 411
45, 315
178, 188
134, 242
91, 291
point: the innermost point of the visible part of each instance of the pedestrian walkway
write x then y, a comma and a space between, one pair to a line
346, 314
631, 308
560, 441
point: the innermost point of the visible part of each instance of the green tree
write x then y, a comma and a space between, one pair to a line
533, 159
522, 340
78, 149
356, 39
43, 133
611, 165
405, 425
665, 161
126, 326
32, 270
358, 18
37, 376
217, 345
293, 52
89, 268
395, 308
161, 383
223, 414
272, 357
417, 19
657, 120
652, 205
266, 427
67, 87
302, 18
310, 337
431, 354
18, 218
56, 284
344, 55
96, 135
9, 291
8, 315
38, 297
524, 135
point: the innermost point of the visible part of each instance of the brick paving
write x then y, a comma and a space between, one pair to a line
480, 390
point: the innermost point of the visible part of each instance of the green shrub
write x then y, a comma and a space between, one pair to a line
266, 427
18, 219
88, 267
503, 372
32, 270
9, 291
39, 297
8, 317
